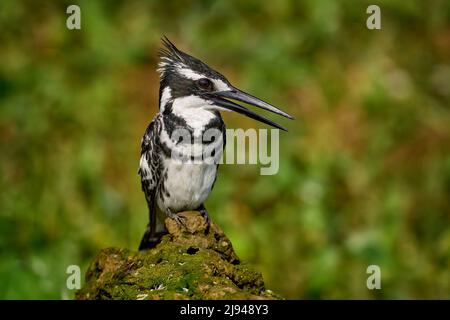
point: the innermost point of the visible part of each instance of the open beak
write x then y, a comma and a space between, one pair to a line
236, 94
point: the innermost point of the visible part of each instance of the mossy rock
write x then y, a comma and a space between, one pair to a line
195, 261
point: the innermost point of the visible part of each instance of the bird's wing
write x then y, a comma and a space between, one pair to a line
150, 170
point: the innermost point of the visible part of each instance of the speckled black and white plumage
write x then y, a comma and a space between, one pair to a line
170, 186
191, 97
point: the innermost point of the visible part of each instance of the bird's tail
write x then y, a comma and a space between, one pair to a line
154, 231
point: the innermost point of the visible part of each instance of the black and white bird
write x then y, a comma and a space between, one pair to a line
191, 96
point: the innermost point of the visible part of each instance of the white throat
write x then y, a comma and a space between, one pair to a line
194, 110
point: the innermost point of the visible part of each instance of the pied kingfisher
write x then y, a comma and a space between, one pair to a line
191, 94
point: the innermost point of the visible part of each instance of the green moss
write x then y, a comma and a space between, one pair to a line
192, 262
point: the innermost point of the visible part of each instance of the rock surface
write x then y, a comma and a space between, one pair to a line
194, 261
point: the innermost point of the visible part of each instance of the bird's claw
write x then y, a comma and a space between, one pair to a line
205, 216
180, 220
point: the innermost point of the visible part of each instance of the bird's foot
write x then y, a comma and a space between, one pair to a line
180, 220
205, 216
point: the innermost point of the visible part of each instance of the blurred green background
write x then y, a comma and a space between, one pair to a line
364, 171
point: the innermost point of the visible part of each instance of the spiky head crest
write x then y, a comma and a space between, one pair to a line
173, 60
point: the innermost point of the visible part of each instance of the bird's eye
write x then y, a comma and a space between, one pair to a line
205, 84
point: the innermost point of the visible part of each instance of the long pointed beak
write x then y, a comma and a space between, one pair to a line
236, 94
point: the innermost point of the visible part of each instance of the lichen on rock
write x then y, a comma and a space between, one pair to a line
194, 261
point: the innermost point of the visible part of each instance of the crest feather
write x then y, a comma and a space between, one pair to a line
172, 60
170, 51
169, 55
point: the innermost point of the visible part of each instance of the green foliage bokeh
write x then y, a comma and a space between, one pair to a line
364, 171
